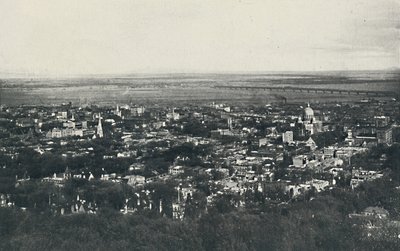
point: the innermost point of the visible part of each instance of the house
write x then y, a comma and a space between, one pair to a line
135, 180
376, 212
360, 175
311, 143
175, 170
58, 179
178, 211
300, 161
370, 213
126, 154
329, 152
297, 189
5, 200
319, 185
262, 142
287, 137
136, 167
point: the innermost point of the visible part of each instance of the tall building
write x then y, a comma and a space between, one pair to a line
178, 208
349, 139
100, 128
384, 135
230, 123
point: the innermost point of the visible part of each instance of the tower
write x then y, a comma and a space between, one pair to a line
230, 123
100, 128
118, 111
349, 139
178, 208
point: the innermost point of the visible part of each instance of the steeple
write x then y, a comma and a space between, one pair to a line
179, 195
100, 128
118, 111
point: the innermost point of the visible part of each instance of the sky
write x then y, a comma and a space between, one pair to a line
81, 37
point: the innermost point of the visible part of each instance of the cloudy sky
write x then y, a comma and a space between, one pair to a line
72, 37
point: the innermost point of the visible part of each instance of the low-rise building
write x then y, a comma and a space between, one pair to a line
135, 180
175, 170
360, 175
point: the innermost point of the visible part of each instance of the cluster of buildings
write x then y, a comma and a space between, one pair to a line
233, 149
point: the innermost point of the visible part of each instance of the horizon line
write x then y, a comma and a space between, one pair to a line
8, 75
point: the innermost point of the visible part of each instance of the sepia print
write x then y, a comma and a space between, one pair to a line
199, 125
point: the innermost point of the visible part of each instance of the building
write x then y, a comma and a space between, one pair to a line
69, 124
5, 200
118, 111
294, 190
175, 170
99, 131
24, 122
58, 179
381, 121
221, 132
329, 152
358, 176
376, 212
81, 206
126, 154
308, 113
137, 111
135, 180
300, 161
384, 135
62, 115
230, 127
62, 133
178, 211
310, 122
173, 115
262, 142
287, 137
178, 207
349, 139
319, 185
311, 144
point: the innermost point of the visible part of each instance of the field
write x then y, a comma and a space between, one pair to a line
189, 88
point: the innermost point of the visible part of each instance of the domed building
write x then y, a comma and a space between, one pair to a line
308, 114
310, 122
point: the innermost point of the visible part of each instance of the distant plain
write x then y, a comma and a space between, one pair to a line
190, 88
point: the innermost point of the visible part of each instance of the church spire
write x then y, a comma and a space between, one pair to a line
100, 128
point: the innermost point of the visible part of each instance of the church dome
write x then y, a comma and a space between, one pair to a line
308, 113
